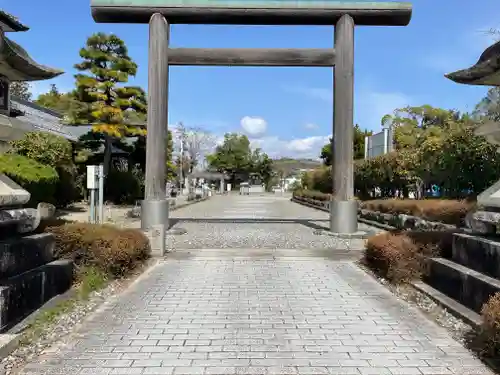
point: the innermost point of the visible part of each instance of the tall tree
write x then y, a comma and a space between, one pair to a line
21, 89
109, 105
64, 103
232, 157
410, 124
262, 164
359, 146
236, 158
489, 106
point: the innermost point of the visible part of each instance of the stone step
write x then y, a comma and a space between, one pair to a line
21, 254
466, 286
22, 294
455, 308
478, 253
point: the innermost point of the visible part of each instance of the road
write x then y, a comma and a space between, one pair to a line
227, 302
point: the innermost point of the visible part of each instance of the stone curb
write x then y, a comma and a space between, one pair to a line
455, 308
375, 224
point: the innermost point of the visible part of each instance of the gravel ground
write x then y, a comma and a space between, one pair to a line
260, 221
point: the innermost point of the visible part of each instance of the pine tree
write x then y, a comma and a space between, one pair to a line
21, 89
110, 107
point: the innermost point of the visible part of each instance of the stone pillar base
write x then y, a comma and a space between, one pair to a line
154, 212
154, 222
344, 216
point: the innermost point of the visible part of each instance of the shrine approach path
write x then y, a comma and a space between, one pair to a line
255, 286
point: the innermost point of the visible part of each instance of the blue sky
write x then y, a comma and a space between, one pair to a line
286, 111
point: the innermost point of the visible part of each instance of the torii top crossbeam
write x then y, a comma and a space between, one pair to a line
253, 12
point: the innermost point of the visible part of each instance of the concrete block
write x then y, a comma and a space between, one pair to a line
471, 288
21, 254
22, 294
480, 254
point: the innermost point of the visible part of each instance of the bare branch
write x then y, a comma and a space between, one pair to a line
197, 144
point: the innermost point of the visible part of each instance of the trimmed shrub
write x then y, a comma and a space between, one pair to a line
490, 330
55, 151
401, 256
441, 210
446, 211
392, 256
311, 194
45, 148
40, 180
112, 250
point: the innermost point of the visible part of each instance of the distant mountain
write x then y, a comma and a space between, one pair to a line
289, 166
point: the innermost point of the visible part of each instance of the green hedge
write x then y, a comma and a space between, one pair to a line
459, 162
40, 180
55, 151
124, 187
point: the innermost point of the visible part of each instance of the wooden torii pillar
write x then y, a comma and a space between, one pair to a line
344, 15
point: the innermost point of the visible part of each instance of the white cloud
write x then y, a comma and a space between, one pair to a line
311, 126
254, 126
276, 147
308, 147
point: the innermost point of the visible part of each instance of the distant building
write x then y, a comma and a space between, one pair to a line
379, 143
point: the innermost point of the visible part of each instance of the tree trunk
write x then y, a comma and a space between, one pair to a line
107, 154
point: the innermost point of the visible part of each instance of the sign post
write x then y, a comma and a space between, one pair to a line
95, 185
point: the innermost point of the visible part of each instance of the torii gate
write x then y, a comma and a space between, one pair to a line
344, 15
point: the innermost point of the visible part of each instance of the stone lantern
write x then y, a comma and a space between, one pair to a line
29, 274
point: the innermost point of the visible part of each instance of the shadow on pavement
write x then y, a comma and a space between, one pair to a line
306, 222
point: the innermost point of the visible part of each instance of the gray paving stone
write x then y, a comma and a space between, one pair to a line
232, 313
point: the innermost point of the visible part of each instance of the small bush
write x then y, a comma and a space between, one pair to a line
490, 330
40, 180
68, 189
401, 256
43, 147
112, 250
441, 210
311, 194
392, 256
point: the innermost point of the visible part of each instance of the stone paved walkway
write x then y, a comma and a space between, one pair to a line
237, 312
